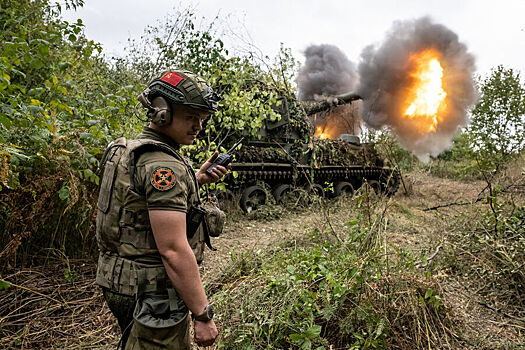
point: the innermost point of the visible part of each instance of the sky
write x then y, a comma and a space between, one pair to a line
494, 31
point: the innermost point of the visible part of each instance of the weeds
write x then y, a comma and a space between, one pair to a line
489, 246
344, 289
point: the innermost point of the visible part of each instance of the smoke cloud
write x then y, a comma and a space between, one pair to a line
384, 78
326, 71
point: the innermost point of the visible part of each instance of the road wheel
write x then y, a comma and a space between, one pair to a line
390, 182
252, 198
343, 187
375, 186
279, 192
316, 190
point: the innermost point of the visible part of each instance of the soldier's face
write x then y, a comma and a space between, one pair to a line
186, 124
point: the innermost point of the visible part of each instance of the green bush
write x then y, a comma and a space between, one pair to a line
62, 102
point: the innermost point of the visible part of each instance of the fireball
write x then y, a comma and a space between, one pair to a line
319, 132
425, 99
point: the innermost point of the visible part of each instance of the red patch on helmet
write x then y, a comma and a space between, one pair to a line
163, 179
172, 78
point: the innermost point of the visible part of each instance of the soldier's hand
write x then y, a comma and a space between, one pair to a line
205, 333
217, 173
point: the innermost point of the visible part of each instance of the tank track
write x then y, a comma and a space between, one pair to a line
278, 174
249, 172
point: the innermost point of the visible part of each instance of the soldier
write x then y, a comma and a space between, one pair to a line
147, 265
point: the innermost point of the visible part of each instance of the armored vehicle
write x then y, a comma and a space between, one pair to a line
294, 152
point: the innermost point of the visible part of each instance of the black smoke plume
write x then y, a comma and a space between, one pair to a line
384, 77
326, 71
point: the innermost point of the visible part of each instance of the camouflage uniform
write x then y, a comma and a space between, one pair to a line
140, 175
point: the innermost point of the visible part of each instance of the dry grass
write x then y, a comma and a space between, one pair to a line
43, 310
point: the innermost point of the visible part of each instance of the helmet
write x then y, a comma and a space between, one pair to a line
177, 86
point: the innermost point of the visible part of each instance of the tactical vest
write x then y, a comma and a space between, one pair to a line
129, 262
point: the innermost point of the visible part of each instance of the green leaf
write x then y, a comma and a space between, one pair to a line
313, 332
37, 63
34, 109
64, 193
43, 49
68, 274
4, 83
429, 293
96, 151
307, 345
296, 337
35, 91
5, 121
4, 285
15, 71
64, 65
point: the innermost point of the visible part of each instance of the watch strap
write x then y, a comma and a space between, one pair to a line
206, 316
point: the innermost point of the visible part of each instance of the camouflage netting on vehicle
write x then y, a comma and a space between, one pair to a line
277, 154
294, 123
252, 154
323, 153
342, 153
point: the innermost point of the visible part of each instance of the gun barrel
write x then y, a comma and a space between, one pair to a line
349, 97
312, 107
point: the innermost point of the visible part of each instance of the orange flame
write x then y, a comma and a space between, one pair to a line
319, 132
425, 99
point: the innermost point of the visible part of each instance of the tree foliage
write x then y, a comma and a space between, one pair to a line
60, 104
248, 88
497, 131
62, 101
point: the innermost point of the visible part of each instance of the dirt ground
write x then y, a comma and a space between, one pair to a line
73, 315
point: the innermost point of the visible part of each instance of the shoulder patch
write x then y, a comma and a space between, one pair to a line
163, 178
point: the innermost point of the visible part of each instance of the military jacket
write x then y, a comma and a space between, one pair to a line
146, 173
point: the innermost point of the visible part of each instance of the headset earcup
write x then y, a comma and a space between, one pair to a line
161, 111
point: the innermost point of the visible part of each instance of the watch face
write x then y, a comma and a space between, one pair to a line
210, 311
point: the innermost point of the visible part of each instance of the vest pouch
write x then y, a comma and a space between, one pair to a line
214, 219
108, 171
106, 187
136, 237
194, 218
160, 322
161, 309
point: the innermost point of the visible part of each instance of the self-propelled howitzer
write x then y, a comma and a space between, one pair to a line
292, 153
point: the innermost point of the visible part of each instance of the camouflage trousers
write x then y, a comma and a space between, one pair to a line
155, 322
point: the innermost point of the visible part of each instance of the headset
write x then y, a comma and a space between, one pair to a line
159, 109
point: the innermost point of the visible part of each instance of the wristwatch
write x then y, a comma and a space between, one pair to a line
207, 314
